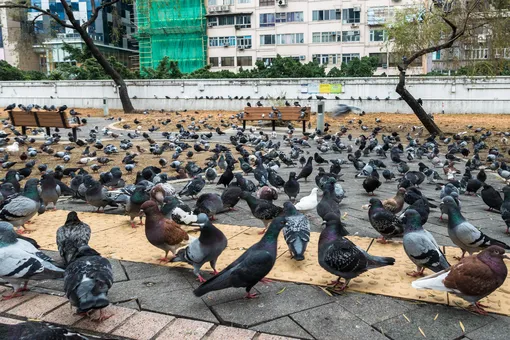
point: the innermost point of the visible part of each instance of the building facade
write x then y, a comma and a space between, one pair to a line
330, 32
112, 32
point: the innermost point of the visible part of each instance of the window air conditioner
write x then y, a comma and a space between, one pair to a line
281, 2
226, 45
240, 47
302, 57
356, 9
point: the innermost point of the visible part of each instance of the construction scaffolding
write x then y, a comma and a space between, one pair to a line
173, 28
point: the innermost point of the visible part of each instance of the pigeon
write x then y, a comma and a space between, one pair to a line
465, 235
50, 190
40, 330
328, 202
206, 248
306, 170
339, 256
370, 184
209, 204
21, 261
388, 175
19, 208
505, 208
491, 197
134, 202
291, 187
472, 279
261, 209
71, 236
309, 202
421, 247
296, 231
251, 267
396, 203
193, 187
87, 281
472, 186
267, 193
97, 196
231, 196
260, 173
210, 175
384, 221
226, 177
162, 232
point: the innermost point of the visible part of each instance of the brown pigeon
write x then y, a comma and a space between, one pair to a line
472, 279
395, 204
162, 232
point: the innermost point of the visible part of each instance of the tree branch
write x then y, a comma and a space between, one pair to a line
40, 10
96, 10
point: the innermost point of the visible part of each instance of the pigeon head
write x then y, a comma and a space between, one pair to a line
506, 189
314, 191
275, 227
486, 186
72, 217
86, 251
202, 219
412, 220
449, 201
493, 252
493, 257
149, 207
289, 208
333, 220
7, 234
401, 192
374, 202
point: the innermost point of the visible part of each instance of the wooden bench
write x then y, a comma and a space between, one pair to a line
288, 113
46, 119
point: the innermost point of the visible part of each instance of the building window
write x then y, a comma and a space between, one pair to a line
244, 61
244, 21
316, 37
222, 41
266, 2
350, 36
289, 17
267, 20
268, 61
214, 61
326, 14
436, 55
244, 41
227, 61
349, 56
378, 35
351, 16
226, 20
212, 2
243, 1
324, 59
267, 39
326, 37
228, 2
212, 21
383, 59
290, 38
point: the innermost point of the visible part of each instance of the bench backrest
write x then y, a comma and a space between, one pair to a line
288, 113
40, 119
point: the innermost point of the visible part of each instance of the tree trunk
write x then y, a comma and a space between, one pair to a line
418, 110
116, 77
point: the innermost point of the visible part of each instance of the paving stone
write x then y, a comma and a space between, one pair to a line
223, 332
373, 308
5, 305
9, 321
143, 325
137, 271
118, 271
186, 329
498, 330
120, 315
129, 304
331, 320
272, 337
446, 326
38, 306
63, 315
283, 326
52, 285
270, 305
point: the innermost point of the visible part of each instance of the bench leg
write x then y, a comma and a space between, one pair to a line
244, 125
48, 131
75, 133
304, 126
24, 130
273, 122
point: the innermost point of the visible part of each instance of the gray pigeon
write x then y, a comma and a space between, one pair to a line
87, 281
18, 209
206, 248
421, 247
465, 235
193, 187
444, 209
209, 204
296, 231
97, 196
384, 222
447, 190
50, 191
71, 236
21, 261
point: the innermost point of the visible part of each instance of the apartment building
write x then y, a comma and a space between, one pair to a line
240, 32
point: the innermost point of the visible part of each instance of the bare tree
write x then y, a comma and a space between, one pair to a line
418, 31
81, 28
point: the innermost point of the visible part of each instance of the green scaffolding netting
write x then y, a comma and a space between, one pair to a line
173, 28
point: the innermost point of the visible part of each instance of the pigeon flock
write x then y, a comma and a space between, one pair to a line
247, 166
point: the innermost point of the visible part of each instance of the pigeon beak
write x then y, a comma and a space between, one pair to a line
506, 257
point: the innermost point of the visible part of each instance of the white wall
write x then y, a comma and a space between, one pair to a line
453, 95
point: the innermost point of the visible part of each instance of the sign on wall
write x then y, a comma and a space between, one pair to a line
321, 88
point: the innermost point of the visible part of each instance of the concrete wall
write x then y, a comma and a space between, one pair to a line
453, 95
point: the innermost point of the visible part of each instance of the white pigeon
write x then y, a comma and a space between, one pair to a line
86, 160
12, 149
309, 202
21, 261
